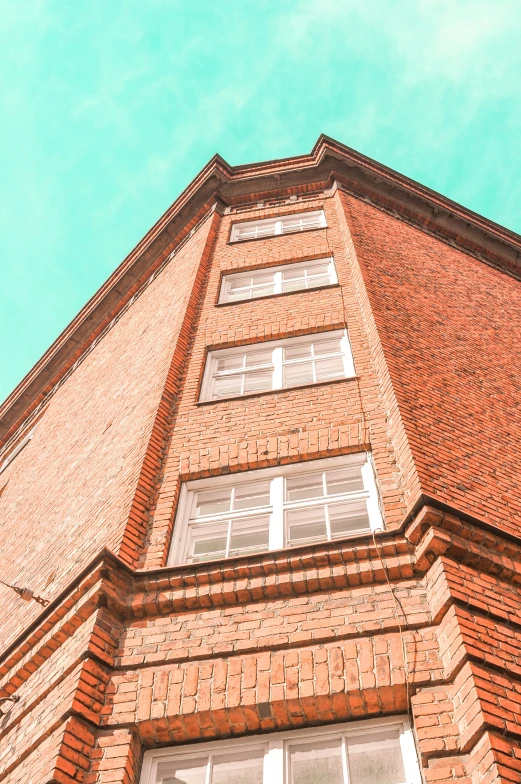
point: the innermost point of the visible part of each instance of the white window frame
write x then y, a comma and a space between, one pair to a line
278, 506
270, 227
275, 745
277, 362
16, 451
278, 279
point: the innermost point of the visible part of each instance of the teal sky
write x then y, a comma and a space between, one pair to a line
111, 107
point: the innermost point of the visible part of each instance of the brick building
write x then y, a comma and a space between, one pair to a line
267, 481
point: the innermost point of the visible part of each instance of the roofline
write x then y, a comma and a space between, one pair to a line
327, 162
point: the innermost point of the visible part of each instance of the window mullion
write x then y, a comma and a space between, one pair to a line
277, 367
228, 538
345, 766
277, 287
373, 505
332, 271
276, 530
209, 771
278, 227
273, 768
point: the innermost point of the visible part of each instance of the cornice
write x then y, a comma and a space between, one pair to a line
328, 161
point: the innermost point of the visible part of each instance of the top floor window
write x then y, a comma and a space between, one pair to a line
278, 280
285, 224
378, 751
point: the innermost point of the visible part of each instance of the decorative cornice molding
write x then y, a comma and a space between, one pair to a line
218, 182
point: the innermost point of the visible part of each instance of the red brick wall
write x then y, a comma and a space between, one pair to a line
69, 492
450, 328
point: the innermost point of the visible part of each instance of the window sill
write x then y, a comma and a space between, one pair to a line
275, 296
275, 391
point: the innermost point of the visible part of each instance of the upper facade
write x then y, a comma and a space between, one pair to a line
305, 367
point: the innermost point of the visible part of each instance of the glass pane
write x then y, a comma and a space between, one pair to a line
263, 291
231, 362
235, 296
304, 486
327, 347
344, 480
317, 763
298, 374
255, 358
299, 351
226, 386
306, 525
190, 772
252, 538
238, 769
213, 547
212, 502
263, 280
258, 382
293, 285
293, 274
252, 495
239, 283
346, 518
329, 368
318, 280
319, 269
376, 761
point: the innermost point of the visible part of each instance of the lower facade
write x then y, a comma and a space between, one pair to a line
380, 659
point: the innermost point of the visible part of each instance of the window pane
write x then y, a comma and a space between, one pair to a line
319, 269
344, 480
346, 518
378, 761
190, 772
227, 386
239, 283
299, 351
258, 382
234, 296
263, 280
329, 368
304, 486
231, 362
213, 547
293, 274
251, 538
298, 374
317, 763
212, 502
319, 280
293, 285
252, 495
306, 525
255, 358
238, 769
263, 291
327, 346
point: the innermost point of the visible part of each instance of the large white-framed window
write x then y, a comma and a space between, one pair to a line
284, 224
274, 508
277, 364
277, 280
375, 751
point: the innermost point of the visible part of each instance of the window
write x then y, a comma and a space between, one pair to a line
378, 751
278, 280
277, 364
273, 508
285, 224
